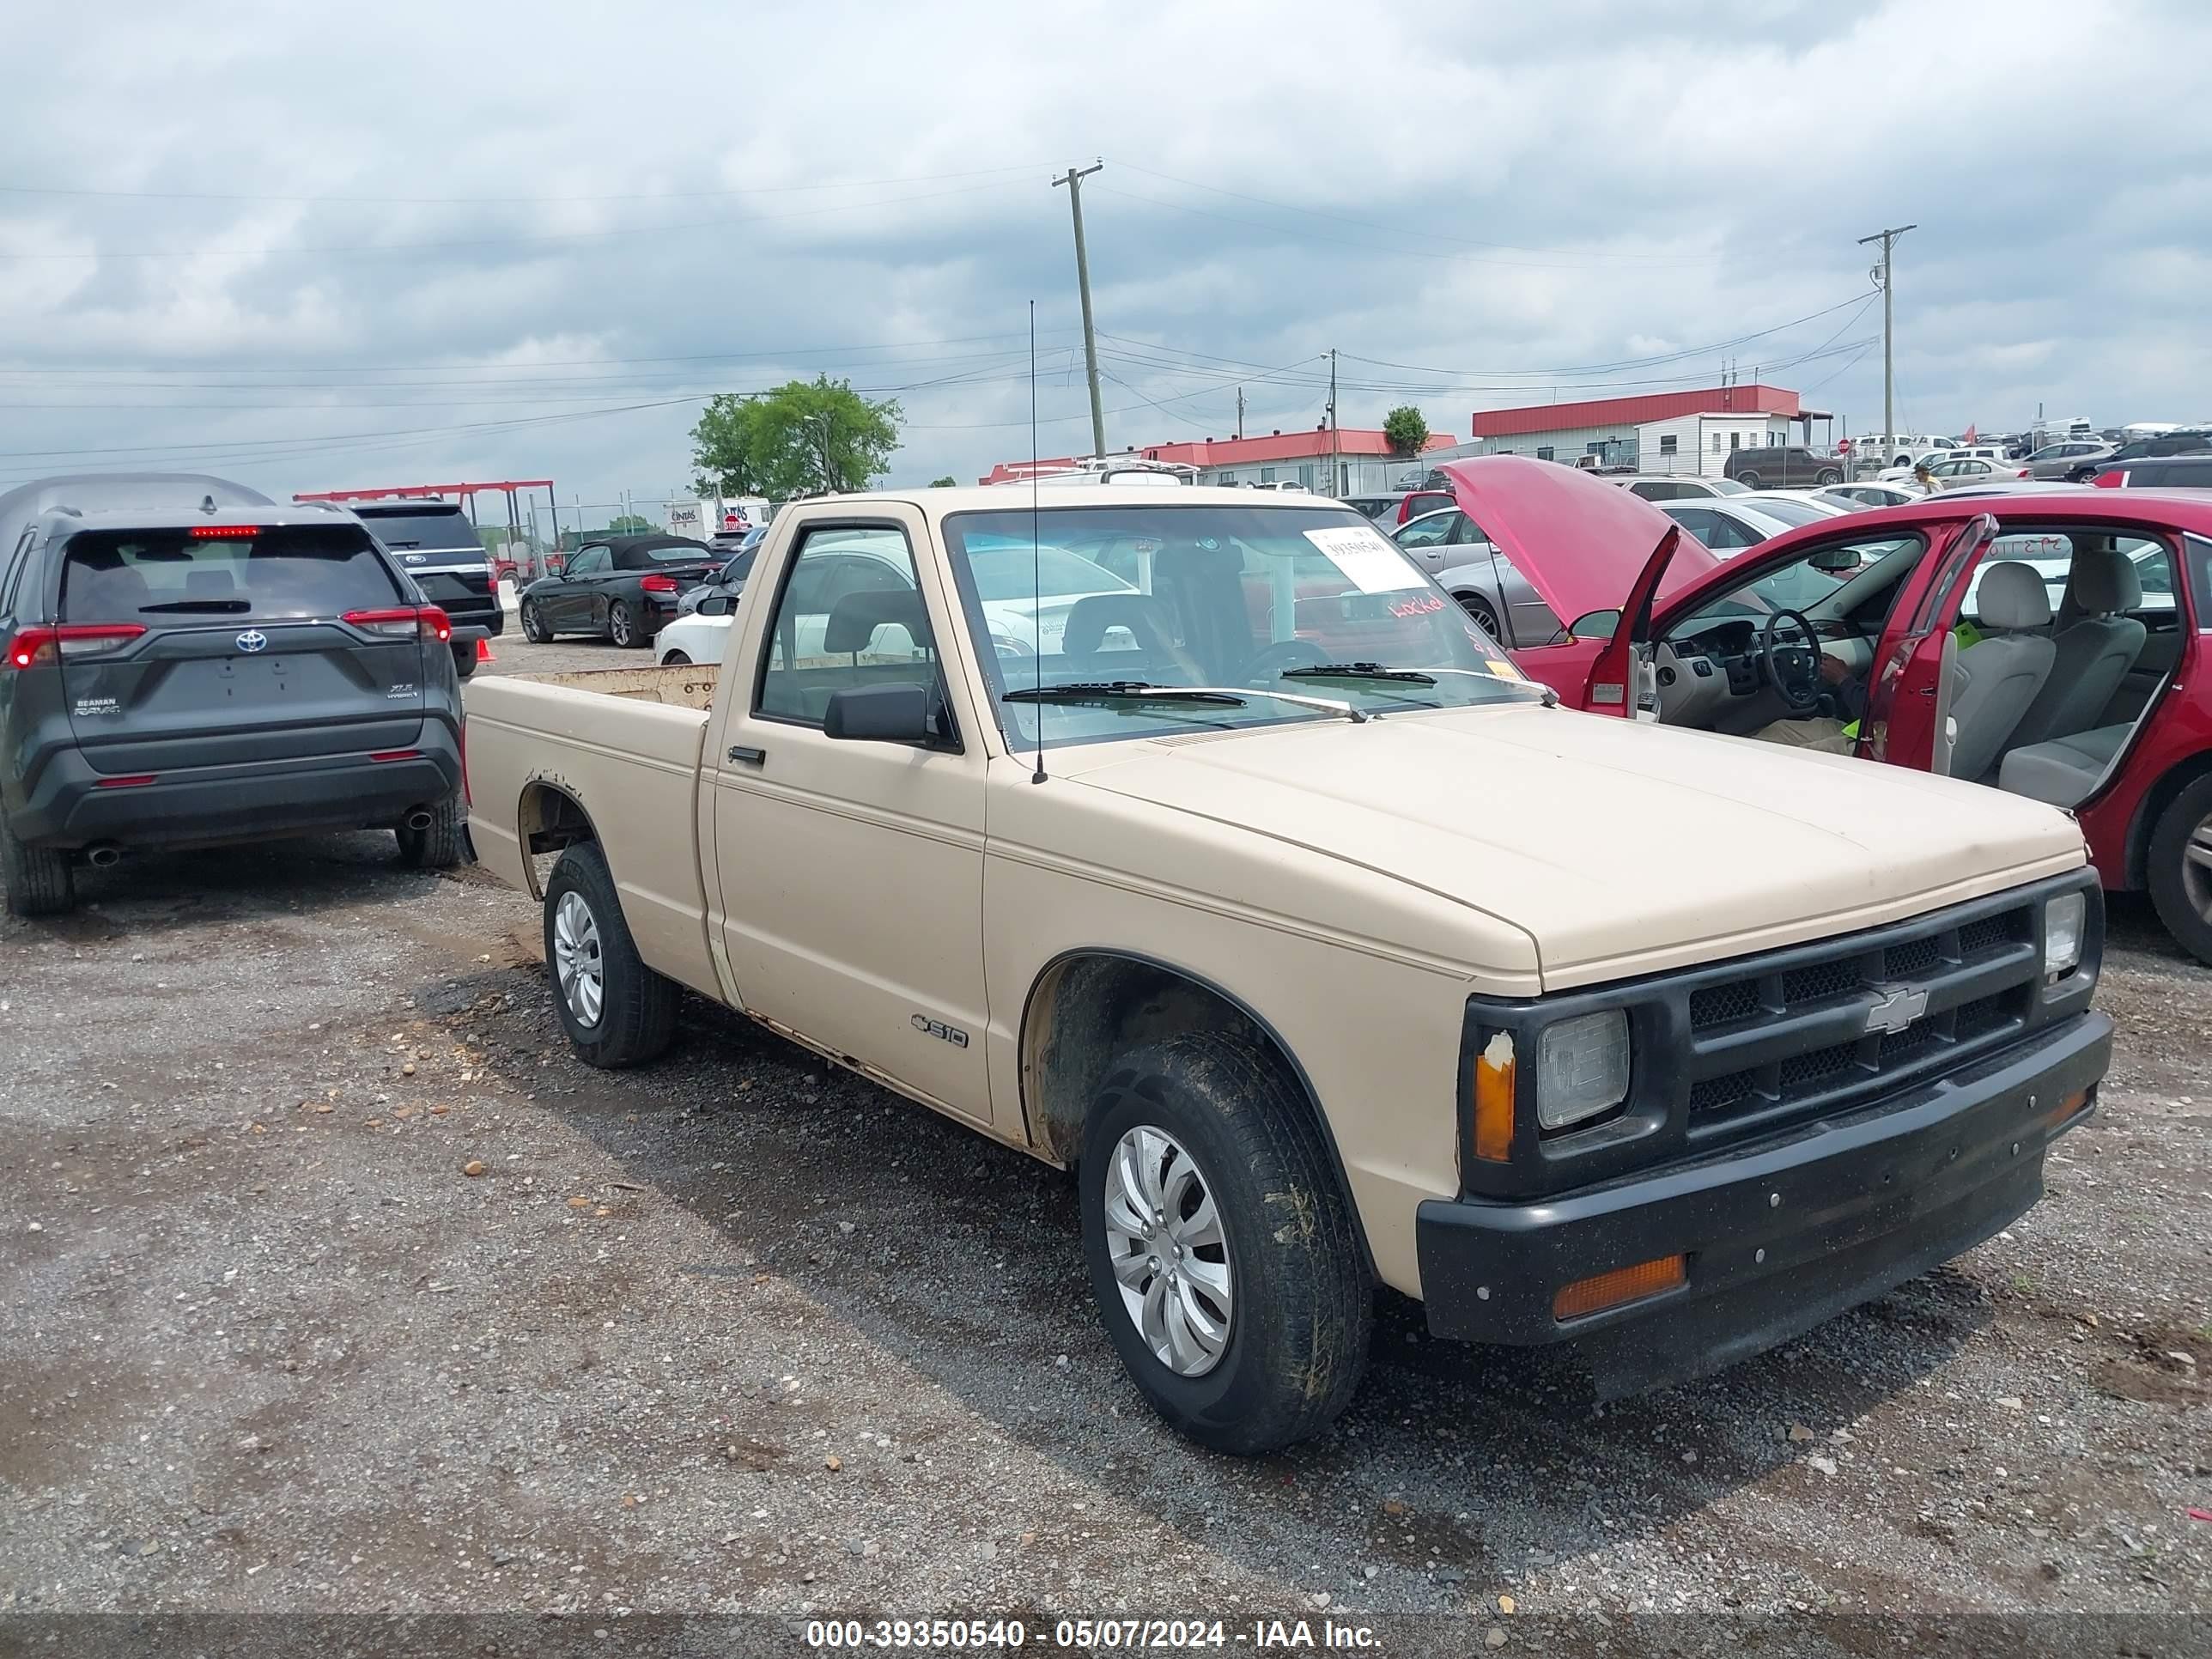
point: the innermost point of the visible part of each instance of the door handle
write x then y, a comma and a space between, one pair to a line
748, 755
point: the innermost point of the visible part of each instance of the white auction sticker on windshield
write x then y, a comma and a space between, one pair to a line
1367, 559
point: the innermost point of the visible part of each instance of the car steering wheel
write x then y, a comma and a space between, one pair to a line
1793, 670
1267, 667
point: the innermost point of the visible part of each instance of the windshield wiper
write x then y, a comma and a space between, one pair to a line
1113, 691
1359, 670
201, 604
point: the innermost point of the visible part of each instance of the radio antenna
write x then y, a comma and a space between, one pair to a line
1037, 556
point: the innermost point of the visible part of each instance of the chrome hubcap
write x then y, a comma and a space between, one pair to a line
1169, 1256
2196, 868
576, 958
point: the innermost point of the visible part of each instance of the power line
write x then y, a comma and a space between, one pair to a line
551, 240
506, 198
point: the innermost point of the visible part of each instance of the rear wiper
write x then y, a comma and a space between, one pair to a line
1113, 691
201, 604
1359, 670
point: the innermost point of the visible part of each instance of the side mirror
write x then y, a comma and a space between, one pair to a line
715, 604
1599, 625
897, 713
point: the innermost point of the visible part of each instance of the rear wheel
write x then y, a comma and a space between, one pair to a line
675, 659
2181, 868
37, 880
621, 628
616, 1011
440, 845
533, 625
1223, 1251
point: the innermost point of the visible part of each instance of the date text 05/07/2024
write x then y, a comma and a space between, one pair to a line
1089, 1634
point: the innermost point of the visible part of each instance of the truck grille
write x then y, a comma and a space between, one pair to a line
1817, 1029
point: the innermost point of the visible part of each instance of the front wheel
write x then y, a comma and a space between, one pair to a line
621, 628
37, 880
1748, 480
533, 625
1484, 613
676, 659
2181, 868
1224, 1253
616, 1011
1827, 477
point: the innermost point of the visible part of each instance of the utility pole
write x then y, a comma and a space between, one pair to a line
1240, 412
1074, 179
1881, 274
1333, 445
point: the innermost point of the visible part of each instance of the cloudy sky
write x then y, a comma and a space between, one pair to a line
488, 240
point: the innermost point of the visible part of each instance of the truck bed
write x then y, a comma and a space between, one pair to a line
623, 745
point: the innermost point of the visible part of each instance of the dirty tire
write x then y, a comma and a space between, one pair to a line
637, 1016
1305, 1310
443, 845
2181, 892
621, 628
37, 880
533, 625
464, 660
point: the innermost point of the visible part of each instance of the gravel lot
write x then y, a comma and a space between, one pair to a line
737, 1333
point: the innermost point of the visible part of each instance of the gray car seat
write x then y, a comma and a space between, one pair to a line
2093, 652
1999, 675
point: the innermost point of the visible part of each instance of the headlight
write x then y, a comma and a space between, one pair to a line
2065, 919
1582, 1067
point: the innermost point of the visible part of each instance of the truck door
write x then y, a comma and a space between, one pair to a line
851, 870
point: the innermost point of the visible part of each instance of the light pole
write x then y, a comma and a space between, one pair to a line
1882, 277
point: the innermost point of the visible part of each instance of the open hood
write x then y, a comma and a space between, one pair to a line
1581, 542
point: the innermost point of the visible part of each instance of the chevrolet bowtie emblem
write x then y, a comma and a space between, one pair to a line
1897, 1006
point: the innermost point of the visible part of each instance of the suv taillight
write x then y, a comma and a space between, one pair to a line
656, 584
427, 619
32, 645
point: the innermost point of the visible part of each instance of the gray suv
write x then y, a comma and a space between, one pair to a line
183, 662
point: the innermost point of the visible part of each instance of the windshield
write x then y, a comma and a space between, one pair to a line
416, 530
1247, 600
181, 577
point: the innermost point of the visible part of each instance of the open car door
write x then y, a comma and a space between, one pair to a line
1621, 680
1908, 714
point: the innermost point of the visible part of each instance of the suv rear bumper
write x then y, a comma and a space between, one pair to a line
1778, 1238
74, 806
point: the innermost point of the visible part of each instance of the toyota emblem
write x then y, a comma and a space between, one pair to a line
252, 639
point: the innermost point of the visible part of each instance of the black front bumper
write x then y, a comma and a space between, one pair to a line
1781, 1235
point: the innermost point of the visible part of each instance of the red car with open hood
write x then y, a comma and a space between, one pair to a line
2050, 645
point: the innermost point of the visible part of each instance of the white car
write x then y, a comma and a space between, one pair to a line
1794, 508
1855, 497
1725, 526
1666, 487
1957, 472
693, 638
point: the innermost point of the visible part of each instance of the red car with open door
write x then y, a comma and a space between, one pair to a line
2050, 645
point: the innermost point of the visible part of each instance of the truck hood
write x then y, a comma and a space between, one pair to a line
1620, 848
1581, 542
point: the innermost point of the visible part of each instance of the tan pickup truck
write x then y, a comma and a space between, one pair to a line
1195, 840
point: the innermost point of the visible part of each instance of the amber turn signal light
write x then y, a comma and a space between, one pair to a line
1622, 1285
1494, 1100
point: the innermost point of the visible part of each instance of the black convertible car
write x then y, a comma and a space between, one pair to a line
622, 588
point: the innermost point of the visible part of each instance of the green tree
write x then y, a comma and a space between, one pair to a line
948, 481
629, 523
1405, 429
804, 438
